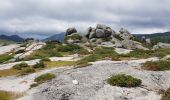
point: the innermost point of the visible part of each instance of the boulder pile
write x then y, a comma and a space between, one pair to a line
101, 31
103, 35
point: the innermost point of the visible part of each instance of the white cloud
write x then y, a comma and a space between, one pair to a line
139, 16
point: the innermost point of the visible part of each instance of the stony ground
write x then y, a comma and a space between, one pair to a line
92, 83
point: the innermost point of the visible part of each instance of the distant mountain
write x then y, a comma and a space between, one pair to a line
156, 37
14, 38
59, 37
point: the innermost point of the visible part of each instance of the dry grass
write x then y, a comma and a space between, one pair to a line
8, 72
4, 95
48, 64
59, 63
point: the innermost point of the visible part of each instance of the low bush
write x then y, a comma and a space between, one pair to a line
98, 54
68, 48
45, 59
139, 54
27, 71
161, 65
20, 66
33, 85
43, 78
74, 37
39, 65
166, 95
5, 57
123, 80
19, 51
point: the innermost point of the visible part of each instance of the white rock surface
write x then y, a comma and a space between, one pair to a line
8, 48
93, 86
122, 51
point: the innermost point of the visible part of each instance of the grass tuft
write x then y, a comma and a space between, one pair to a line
123, 80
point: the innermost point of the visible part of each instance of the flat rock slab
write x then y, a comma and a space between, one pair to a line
92, 84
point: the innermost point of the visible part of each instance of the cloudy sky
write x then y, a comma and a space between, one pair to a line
47, 16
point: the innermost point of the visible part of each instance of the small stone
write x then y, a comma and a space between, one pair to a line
75, 82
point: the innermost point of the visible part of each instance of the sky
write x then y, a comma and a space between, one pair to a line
54, 16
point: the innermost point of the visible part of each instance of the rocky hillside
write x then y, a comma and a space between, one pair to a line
101, 64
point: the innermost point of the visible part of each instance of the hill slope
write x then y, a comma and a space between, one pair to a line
59, 37
14, 38
157, 37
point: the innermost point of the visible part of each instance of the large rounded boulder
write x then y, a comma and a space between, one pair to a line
70, 31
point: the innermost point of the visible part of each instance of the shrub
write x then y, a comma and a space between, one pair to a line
117, 36
27, 71
5, 57
45, 59
123, 80
157, 65
139, 54
20, 66
73, 37
33, 85
166, 95
68, 48
98, 54
44, 77
39, 65
19, 51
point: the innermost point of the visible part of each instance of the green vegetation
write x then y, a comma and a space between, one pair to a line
56, 50
5, 42
45, 59
147, 53
155, 38
20, 66
45, 77
69, 48
27, 71
39, 65
5, 57
73, 37
161, 65
117, 36
139, 54
166, 95
123, 80
99, 54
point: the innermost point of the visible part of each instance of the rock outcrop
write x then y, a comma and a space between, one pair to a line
161, 45
71, 31
101, 31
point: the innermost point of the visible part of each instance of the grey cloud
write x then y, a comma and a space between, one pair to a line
56, 15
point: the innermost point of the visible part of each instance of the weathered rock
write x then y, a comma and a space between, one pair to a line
100, 33
71, 31
89, 30
122, 30
130, 44
161, 45
93, 86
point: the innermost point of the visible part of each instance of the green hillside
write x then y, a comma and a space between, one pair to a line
156, 37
